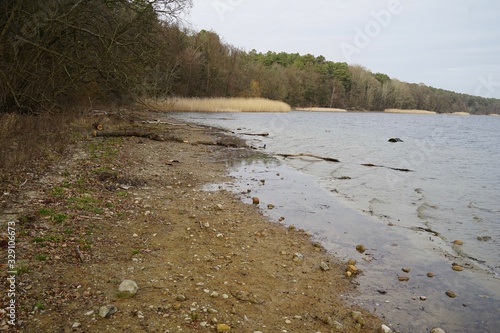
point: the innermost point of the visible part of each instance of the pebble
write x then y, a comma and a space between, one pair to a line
270, 206
358, 318
384, 329
423, 298
403, 278
437, 330
255, 200
76, 325
353, 269
223, 328
106, 311
128, 288
297, 257
457, 268
406, 269
360, 248
458, 242
430, 274
451, 294
324, 266
180, 298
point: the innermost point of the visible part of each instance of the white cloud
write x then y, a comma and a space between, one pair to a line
421, 42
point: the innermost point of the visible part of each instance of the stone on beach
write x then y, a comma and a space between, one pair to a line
223, 328
324, 266
360, 248
358, 318
127, 288
106, 311
384, 329
437, 330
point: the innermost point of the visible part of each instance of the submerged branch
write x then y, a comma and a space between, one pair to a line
328, 159
383, 166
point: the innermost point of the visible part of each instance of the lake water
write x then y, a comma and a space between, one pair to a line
405, 219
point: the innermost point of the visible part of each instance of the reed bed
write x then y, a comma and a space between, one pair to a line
318, 109
219, 105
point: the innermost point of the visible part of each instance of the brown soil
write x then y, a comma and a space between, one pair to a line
134, 208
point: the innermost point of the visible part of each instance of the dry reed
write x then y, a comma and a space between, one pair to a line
219, 105
30, 142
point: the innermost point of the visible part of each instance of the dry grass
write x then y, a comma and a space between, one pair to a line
219, 105
28, 143
409, 111
322, 110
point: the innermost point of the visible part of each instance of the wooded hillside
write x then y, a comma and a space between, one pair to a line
57, 54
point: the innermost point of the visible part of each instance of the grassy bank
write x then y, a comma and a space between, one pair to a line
219, 105
33, 139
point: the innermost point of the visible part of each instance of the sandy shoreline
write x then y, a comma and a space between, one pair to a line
409, 111
134, 208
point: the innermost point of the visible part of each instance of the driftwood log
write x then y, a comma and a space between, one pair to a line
328, 159
255, 134
157, 137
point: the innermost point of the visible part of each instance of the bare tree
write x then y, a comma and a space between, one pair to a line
57, 52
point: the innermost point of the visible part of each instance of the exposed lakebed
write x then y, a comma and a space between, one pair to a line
411, 231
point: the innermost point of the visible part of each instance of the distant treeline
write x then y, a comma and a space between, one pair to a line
58, 54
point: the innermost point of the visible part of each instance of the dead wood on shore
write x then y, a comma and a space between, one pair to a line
328, 159
255, 134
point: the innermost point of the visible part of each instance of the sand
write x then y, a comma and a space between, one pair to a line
135, 208
409, 111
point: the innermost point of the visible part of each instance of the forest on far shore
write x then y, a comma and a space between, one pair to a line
56, 55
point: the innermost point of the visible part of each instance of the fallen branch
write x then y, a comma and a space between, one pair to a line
162, 122
383, 166
255, 134
80, 254
328, 159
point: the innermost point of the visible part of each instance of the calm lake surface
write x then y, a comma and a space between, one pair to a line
405, 219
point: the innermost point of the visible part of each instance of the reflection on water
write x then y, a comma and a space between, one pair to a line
405, 219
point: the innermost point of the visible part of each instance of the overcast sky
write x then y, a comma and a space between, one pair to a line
449, 44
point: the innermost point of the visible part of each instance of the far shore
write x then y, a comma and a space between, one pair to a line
257, 104
409, 111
